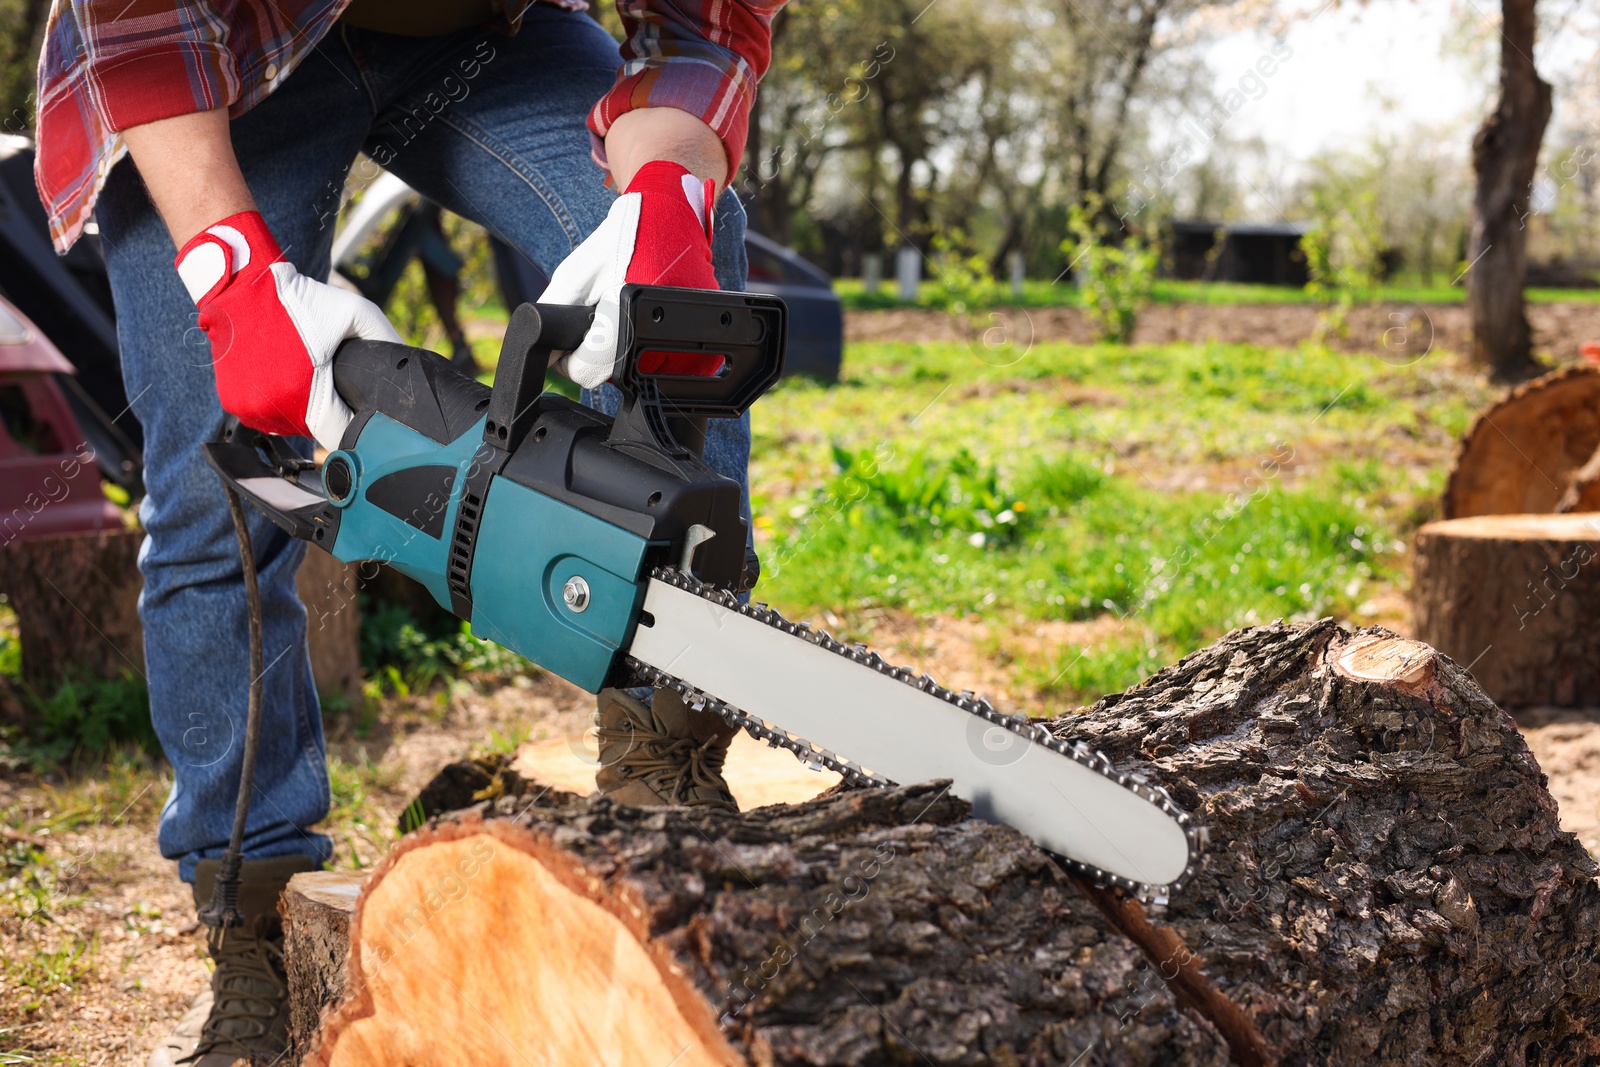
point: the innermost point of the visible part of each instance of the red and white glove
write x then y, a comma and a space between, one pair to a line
273, 331
657, 233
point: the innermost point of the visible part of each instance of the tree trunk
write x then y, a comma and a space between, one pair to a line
1504, 155
327, 588
77, 602
1517, 598
1385, 882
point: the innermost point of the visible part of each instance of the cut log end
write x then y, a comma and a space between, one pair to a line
589, 988
1392, 660
1524, 454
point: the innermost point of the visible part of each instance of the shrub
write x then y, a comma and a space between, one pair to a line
85, 718
1115, 277
401, 656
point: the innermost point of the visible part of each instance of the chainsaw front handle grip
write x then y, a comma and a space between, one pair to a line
683, 354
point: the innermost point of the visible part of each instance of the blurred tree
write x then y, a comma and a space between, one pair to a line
21, 33
819, 68
860, 121
892, 120
1424, 197
1108, 47
1505, 153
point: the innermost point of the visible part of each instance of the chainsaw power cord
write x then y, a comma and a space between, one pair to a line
223, 909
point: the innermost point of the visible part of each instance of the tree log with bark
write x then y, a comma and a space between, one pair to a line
1537, 449
1517, 599
1385, 882
77, 602
1505, 152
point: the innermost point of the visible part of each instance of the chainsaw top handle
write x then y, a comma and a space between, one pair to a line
684, 355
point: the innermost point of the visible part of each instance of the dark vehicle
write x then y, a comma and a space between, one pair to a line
68, 299
48, 482
816, 320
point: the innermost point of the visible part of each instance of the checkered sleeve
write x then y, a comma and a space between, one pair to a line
701, 57
154, 59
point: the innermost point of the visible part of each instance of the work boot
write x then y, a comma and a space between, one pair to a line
245, 1012
662, 755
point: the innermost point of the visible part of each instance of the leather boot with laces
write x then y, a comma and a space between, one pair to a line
243, 1016
665, 754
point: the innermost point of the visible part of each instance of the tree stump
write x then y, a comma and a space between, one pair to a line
316, 909
1385, 882
327, 588
1517, 599
77, 602
1525, 453
1583, 487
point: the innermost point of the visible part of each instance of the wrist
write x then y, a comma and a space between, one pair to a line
214, 257
189, 170
649, 134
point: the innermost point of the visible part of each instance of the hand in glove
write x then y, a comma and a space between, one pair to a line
657, 233
273, 331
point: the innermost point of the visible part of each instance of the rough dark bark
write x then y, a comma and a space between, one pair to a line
1385, 882
77, 602
316, 912
1526, 452
1505, 152
1517, 597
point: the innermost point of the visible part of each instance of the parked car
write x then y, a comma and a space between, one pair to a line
68, 300
816, 319
49, 482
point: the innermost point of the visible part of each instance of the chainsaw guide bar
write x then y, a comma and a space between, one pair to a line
982, 711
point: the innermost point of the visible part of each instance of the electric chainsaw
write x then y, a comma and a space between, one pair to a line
606, 551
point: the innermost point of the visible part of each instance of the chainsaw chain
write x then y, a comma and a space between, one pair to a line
817, 758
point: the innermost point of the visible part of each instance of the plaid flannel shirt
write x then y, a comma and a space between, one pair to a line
111, 64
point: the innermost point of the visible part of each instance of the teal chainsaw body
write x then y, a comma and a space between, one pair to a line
530, 516
607, 551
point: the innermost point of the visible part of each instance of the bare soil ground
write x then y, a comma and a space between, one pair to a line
1404, 330
1566, 742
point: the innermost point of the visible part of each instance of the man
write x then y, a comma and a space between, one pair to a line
242, 119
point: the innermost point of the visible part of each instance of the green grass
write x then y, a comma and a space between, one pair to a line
1179, 490
1042, 293
401, 656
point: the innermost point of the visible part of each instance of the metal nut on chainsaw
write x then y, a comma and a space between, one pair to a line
576, 593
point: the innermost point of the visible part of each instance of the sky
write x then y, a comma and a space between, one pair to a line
1354, 71
1345, 72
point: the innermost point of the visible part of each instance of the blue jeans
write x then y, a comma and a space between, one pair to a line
489, 127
